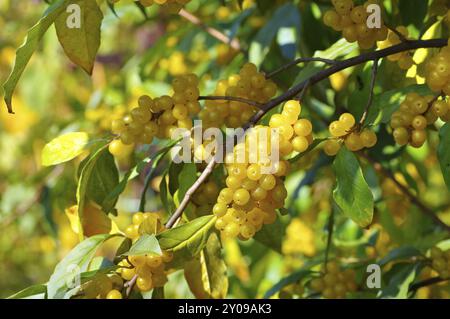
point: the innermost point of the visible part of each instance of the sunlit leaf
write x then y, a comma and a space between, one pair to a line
352, 194
68, 270
80, 42
64, 148
206, 275
189, 238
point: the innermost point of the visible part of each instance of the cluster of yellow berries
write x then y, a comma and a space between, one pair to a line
440, 261
149, 268
404, 59
346, 131
102, 286
158, 117
294, 134
336, 282
250, 199
249, 84
352, 21
410, 121
255, 189
171, 6
205, 197
438, 71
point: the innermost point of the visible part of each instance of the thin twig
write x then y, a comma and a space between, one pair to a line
187, 197
231, 98
371, 92
298, 61
233, 43
130, 285
416, 201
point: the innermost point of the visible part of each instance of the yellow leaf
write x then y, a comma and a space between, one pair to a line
421, 54
206, 275
95, 221
64, 148
235, 260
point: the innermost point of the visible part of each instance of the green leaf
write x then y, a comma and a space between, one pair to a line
103, 180
146, 244
24, 53
207, 274
64, 148
81, 43
111, 198
75, 263
186, 178
32, 292
340, 49
413, 12
352, 194
188, 239
285, 17
173, 173
166, 199
158, 293
398, 285
271, 235
444, 152
88, 177
399, 254
156, 159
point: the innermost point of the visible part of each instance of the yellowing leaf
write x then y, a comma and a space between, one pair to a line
235, 260
64, 148
421, 54
80, 41
95, 221
207, 274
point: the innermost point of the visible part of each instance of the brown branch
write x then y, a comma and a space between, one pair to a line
129, 285
231, 98
298, 61
295, 90
187, 197
427, 282
233, 43
416, 201
371, 92
344, 64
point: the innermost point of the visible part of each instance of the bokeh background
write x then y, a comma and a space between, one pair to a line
140, 55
